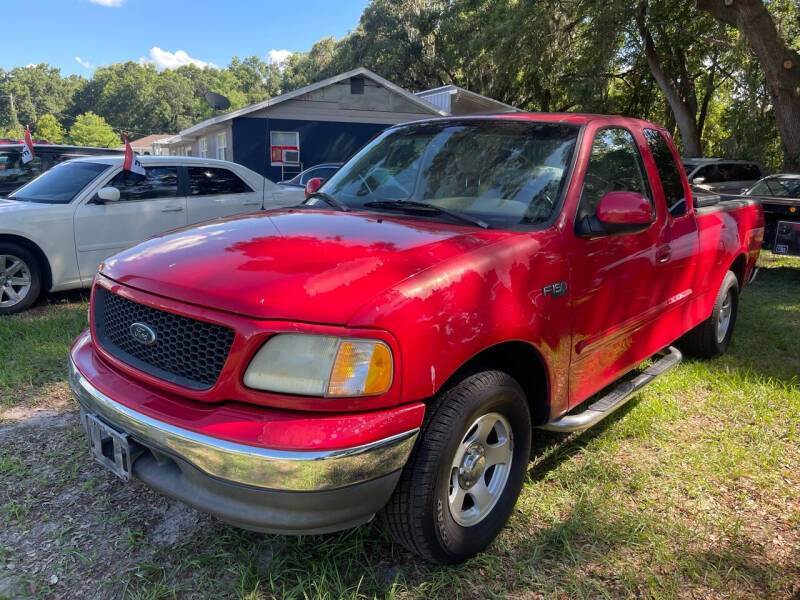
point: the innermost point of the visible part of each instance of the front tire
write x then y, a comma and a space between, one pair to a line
20, 278
713, 336
464, 476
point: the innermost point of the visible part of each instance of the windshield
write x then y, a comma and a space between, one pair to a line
60, 184
505, 173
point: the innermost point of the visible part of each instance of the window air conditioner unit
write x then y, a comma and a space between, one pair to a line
291, 157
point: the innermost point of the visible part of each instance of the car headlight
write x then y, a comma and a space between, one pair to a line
317, 365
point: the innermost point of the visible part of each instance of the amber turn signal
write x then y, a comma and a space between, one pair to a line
361, 368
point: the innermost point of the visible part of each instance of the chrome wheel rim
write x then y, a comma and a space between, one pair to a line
480, 468
724, 317
15, 280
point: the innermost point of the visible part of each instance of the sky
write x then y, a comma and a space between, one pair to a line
79, 35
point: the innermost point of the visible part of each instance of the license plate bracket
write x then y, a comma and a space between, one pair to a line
108, 446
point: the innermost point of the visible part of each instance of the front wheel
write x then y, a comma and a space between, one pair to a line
464, 476
20, 278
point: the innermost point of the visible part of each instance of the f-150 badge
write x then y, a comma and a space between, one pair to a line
555, 289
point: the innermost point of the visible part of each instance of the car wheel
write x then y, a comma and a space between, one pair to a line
20, 278
713, 336
466, 471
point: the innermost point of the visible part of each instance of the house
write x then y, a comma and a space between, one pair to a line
458, 101
151, 144
326, 121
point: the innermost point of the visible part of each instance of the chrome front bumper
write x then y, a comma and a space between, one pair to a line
278, 470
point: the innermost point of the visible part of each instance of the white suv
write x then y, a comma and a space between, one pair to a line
57, 229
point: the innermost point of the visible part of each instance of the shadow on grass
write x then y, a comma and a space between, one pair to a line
67, 297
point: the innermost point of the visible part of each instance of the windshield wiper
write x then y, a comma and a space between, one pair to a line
330, 200
416, 205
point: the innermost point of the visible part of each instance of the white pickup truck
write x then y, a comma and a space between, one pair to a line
57, 229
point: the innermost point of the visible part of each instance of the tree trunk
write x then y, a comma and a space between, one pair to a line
684, 115
781, 65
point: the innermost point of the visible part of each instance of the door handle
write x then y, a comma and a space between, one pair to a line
256, 203
663, 254
172, 209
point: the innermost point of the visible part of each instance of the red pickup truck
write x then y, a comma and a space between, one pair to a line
394, 343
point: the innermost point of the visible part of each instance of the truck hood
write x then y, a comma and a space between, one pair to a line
306, 265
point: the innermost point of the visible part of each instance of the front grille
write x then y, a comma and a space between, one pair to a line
186, 351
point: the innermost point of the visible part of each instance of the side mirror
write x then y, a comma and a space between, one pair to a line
312, 186
698, 180
108, 194
618, 212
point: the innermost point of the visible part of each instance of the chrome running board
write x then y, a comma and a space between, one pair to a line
606, 405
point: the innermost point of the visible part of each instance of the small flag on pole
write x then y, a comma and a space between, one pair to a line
131, 162
27, 147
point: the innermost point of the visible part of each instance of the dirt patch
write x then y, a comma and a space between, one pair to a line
69, 529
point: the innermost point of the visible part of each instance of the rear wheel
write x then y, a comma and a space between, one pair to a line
465, 474
20, 278
713, 336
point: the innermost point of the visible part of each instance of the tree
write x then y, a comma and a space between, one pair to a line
49, 129
684, 52
90, 129
779, 62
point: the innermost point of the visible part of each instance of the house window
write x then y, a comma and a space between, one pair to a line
202, 144
222, 145
280, 142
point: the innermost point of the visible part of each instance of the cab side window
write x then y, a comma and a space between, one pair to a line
160, 182
668, 171
209, 181
709, 174
614, 165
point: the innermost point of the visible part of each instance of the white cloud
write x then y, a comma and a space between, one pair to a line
163, 59
277, 57
84, 63
107, 2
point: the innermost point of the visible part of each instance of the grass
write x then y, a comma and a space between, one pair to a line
689, 491
34, 344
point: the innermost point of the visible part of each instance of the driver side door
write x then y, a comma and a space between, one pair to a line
615, 282
147, 206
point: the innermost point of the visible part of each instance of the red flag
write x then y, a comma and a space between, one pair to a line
27, 147
131, 162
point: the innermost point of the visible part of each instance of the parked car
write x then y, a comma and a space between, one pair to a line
14, 174
391, 345
722, 176
323, 172
56, 229
780, 199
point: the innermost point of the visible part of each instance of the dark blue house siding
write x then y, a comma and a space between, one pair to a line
320, 141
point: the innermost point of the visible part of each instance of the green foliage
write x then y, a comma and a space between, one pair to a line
14, 132
92, 130
49, 129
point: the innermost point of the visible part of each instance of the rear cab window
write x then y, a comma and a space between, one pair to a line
209, 181
668, 172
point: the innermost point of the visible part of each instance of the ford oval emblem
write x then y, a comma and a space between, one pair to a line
143, 334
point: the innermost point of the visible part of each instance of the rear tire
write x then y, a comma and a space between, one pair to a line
713, 336
466, 471
20, 278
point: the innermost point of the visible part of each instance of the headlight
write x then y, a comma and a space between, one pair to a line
316, 365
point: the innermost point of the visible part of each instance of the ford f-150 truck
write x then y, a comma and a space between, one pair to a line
393, 344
